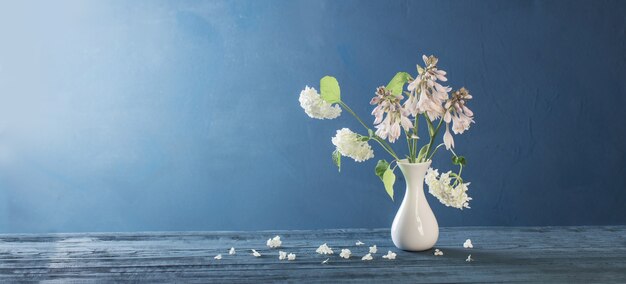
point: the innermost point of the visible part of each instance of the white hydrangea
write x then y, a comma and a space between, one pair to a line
468, 244
345, 253
291, 256
348, 144
373, 249
390, 255
367, 257
274, 242
316, 107
440, 187
324, 249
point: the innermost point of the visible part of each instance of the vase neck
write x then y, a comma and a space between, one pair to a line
414, 176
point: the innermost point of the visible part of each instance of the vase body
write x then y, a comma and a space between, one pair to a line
415, 227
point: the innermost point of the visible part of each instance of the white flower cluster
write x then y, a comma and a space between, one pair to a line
324, 249
345, 253
348, 144
373, 249
468, 244
390, 255
283, 255
449, 195
274, 242
315, 106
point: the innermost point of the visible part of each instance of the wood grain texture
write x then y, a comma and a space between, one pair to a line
502, 254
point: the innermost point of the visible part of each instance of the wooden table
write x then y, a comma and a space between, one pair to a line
511, 254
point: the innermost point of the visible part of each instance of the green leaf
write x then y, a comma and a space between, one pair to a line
381, 167
389, 178
397, 83
337, 159
458, 160
386, 175
422, 152
329, 88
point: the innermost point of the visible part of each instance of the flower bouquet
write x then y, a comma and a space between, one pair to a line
396, 112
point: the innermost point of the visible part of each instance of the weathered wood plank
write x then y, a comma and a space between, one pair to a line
521, 254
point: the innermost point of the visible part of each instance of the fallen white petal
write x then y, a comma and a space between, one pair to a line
274, 242
468, 244
367, 257
345, 253
291, 256
282, 255
469, 258
390, 255
359, 243
438, 252
373, 249
325, 261
324, 249
218, 257
256, 253
232, 251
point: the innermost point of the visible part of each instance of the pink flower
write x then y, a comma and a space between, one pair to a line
447, 138
388, 126
460, 115
426, 95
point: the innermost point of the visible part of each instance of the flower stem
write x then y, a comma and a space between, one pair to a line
380, 141
414, 141
385, 146
432, 133
408, 143
435, 151
348, 109
460, 165
432, 139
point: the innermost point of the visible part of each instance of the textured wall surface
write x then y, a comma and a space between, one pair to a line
146, 115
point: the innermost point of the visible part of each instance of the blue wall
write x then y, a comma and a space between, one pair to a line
144, 115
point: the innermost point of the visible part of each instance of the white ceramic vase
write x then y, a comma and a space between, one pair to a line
415, 227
